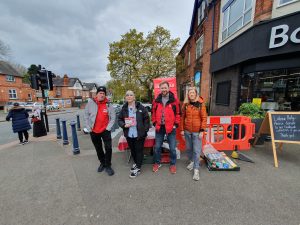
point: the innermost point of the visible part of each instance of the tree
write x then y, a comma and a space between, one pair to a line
4, 50
136, 60
33, 69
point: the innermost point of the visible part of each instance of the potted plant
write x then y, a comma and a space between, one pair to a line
254, 112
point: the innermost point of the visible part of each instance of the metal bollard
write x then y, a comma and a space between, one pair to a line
76, 149
78, 123
58, 131
65, 134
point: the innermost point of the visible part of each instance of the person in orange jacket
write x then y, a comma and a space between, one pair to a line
192, 125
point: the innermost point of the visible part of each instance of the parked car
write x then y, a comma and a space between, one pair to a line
117, 107
9, 105
148, 106
53, 106
29, 106
39, 104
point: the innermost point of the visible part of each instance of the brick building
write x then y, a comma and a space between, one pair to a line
12, 88
258, 56
254, 54
193, 60
69, 91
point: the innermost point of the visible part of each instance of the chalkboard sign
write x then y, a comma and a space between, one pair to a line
286, 127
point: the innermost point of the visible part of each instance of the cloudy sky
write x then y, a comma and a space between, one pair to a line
72, 36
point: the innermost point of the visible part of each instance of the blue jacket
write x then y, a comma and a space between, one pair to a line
19, 119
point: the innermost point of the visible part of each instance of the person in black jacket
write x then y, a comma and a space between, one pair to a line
20, 123
134, 119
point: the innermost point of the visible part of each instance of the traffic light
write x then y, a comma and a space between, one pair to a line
50, 81
44, 82
34, 82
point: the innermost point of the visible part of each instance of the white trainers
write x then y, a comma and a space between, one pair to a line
196, 176
190, 166
133, 167
135, 173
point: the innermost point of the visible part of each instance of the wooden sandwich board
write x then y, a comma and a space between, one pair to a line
284, 127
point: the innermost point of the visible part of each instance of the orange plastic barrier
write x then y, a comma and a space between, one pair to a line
227, 133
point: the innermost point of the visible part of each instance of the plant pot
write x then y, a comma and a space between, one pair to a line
257, 123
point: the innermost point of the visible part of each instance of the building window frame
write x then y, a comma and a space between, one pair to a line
29, 97
12, 93
226, 24
201, 11
286, 3
221, 97
189, 57
10, 78
199, 46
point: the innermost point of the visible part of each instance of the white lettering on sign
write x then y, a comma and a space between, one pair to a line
279, 35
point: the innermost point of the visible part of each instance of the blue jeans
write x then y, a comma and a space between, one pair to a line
193, 147
159, 138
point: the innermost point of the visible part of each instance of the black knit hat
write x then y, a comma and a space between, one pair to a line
101, 88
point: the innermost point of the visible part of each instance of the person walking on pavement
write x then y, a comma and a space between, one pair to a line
20, 123
99, 118
134, 120
39, 128
165, 118
192, 125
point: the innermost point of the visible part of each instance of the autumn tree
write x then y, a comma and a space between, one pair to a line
136, 59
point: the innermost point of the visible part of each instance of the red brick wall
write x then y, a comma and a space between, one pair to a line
22, 90
201, 64
263, 10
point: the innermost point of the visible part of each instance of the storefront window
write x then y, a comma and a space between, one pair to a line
223, 93
277, 89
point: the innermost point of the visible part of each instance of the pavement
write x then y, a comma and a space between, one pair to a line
44, 183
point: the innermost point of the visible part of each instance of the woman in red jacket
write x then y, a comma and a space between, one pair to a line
192, 126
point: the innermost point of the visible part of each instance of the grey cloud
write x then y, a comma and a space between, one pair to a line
72, 36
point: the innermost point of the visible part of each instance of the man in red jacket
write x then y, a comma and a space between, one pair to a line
99, 117
165, 118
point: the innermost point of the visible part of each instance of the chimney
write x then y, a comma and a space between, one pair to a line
66, 80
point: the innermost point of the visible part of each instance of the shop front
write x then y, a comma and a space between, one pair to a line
262, 65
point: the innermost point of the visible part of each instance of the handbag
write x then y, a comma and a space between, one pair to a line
35, 119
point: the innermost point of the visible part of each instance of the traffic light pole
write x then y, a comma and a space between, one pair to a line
45, 109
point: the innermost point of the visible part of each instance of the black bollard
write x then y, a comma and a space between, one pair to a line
78, 123
76, 149
65, 134
58, 131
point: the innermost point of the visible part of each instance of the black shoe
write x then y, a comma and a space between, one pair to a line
133, 167
25, 142
135, 173
109, 171
21, 143
101, 168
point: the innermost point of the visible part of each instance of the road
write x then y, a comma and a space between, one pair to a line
8, 136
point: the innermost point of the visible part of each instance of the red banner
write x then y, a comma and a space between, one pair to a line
170, 80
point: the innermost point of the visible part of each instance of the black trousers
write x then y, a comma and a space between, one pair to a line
97, 138
20, 133
137, 150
